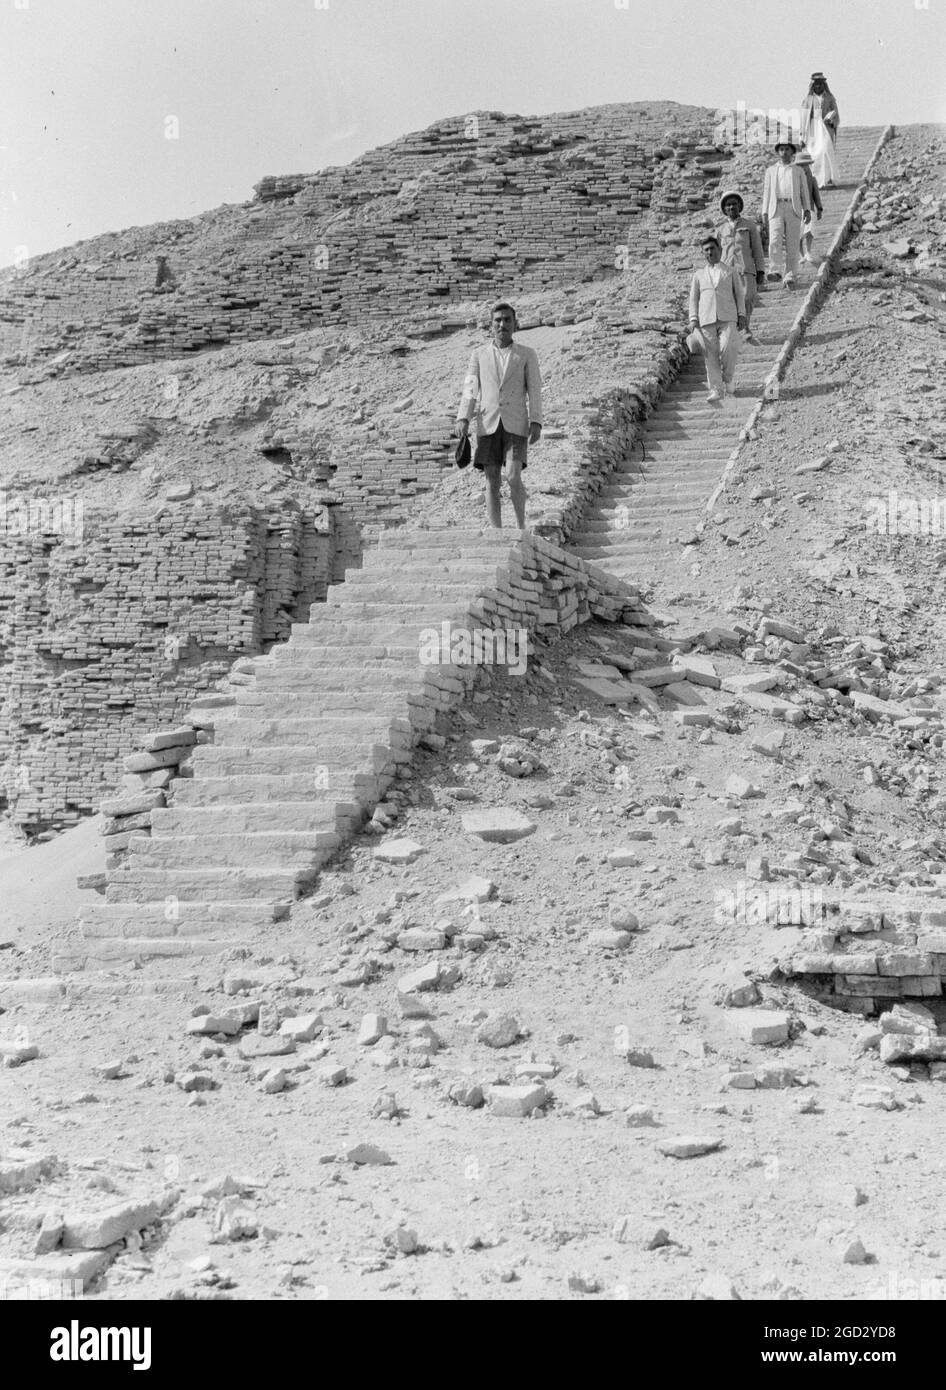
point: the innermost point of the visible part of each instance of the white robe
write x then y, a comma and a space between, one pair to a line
820, 145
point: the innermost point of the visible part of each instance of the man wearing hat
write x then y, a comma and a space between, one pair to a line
742, 247
717, 309
785, 204
819, 130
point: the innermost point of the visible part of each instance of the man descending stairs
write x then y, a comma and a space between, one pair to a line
647, 508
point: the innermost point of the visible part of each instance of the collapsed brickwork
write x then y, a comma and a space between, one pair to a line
464, 208
861, 953
103, 639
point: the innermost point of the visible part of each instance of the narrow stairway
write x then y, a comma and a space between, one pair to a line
650, 506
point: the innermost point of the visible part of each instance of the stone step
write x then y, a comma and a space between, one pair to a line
106, 954
321, 677
276, 759
199, 884
161, 918
245, 817
279, 849
664, 482
266, 703
614, 525
317, 734
382, 649
410, 590
375, 617
353, 789
448, 569
342, 639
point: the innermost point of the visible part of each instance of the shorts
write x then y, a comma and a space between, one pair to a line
492, 450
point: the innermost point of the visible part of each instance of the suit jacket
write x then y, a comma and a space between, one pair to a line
725, 303
742, 245
801, 202
516, 401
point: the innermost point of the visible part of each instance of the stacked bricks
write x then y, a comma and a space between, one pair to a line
104, 638
465, 208
687, 173
307, 739
868, 952
147, 774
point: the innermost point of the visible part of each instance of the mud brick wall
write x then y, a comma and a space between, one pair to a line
102, 639
457, 211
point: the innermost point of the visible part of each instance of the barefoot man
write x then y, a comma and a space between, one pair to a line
503, 386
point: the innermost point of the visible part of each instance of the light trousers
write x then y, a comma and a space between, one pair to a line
784, 238
721, 351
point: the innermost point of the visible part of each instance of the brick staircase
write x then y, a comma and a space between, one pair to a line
316, 730
315, 734
650, 506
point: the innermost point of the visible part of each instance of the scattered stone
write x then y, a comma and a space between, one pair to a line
366, 1155
232, 1221
584, 1283
876, 1098
760, 1026
49, 1236
275, 1080
466, 1093
609, 940
741, 787
96, 1231
516, 1102
110, 1071
402, 1240
227, 1186
206, 1025
20, 1174
273, 1045
501, 827
301, 1028
473, 889
737, 991
195, 1081
855, 1254
656, 1239
688, 1145
398, 851
499, 1030
428, 977
622, 919
373, 1028
623, 859
421, 939
385, 1106
332, 1074
639, 1057
639, 1117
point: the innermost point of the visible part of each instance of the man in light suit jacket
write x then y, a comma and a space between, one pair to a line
504, 378
786, 204
717, 310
